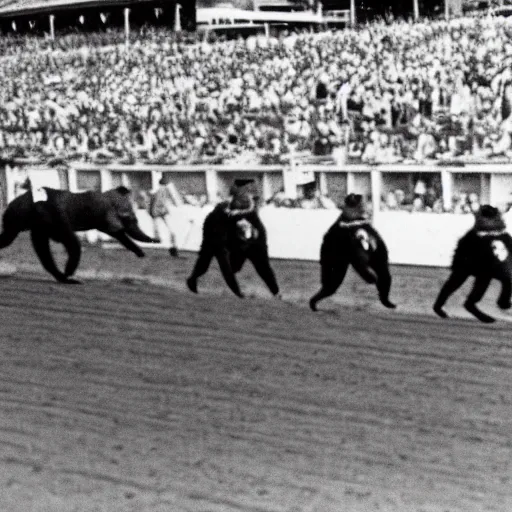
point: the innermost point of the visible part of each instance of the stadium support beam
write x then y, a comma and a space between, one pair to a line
416, 10
52, 26
177, 18
353, 17
127, 25
376, 187
448, 8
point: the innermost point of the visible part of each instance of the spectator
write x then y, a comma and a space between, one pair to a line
160, 211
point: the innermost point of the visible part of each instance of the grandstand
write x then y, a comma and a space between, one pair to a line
389, 93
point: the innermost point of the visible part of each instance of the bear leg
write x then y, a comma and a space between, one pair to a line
237, 260
476, 294
384, 285
365, 271
12, 224
506, 291
74, 250
331, 278
7, 236
201, 267
261, 263
41, 243
125, 240
454, 282
227, 272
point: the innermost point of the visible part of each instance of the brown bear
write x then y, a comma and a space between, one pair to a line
352, 240
234, 233
485, 253
51, 214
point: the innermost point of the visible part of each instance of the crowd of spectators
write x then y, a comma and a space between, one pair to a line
430, 200
15, 44
382, 93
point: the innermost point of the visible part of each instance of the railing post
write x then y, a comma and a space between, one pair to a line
72, 180
351, 182
322, 183
376, 188
125, 180
212, 185
485, 188
266, 187
155, 178
9, 183
106, 180
289, 179
447, 189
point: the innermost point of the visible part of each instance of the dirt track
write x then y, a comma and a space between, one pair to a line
119, 396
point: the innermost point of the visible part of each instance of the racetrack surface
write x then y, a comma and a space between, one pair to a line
121, 395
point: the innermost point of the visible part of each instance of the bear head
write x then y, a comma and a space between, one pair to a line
488, 218
121, 205
354, 208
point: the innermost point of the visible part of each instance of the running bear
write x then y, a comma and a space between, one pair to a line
51, 214
352, 240
234, 233
483, 252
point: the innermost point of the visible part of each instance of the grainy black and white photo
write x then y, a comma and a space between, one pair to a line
255, 256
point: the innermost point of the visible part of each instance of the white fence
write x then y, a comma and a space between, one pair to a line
413, 238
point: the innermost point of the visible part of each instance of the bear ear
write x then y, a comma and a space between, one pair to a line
486, 210
353, 200
123, 190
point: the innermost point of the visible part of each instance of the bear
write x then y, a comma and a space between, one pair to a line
234, 233
52, 214
352, 240
485, 253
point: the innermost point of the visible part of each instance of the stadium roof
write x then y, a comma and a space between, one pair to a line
13, 7
204, 15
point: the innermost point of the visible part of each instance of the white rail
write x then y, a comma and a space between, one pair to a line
413, 238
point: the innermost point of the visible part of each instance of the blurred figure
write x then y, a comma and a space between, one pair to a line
160, 211
391, 201
142, 204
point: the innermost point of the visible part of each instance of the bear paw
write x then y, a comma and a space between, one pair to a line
480, 315
70, 280
192, 284
440, 312
388, 304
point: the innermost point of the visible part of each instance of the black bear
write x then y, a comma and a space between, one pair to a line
352, 240
234, 233
483, 252
51, 214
